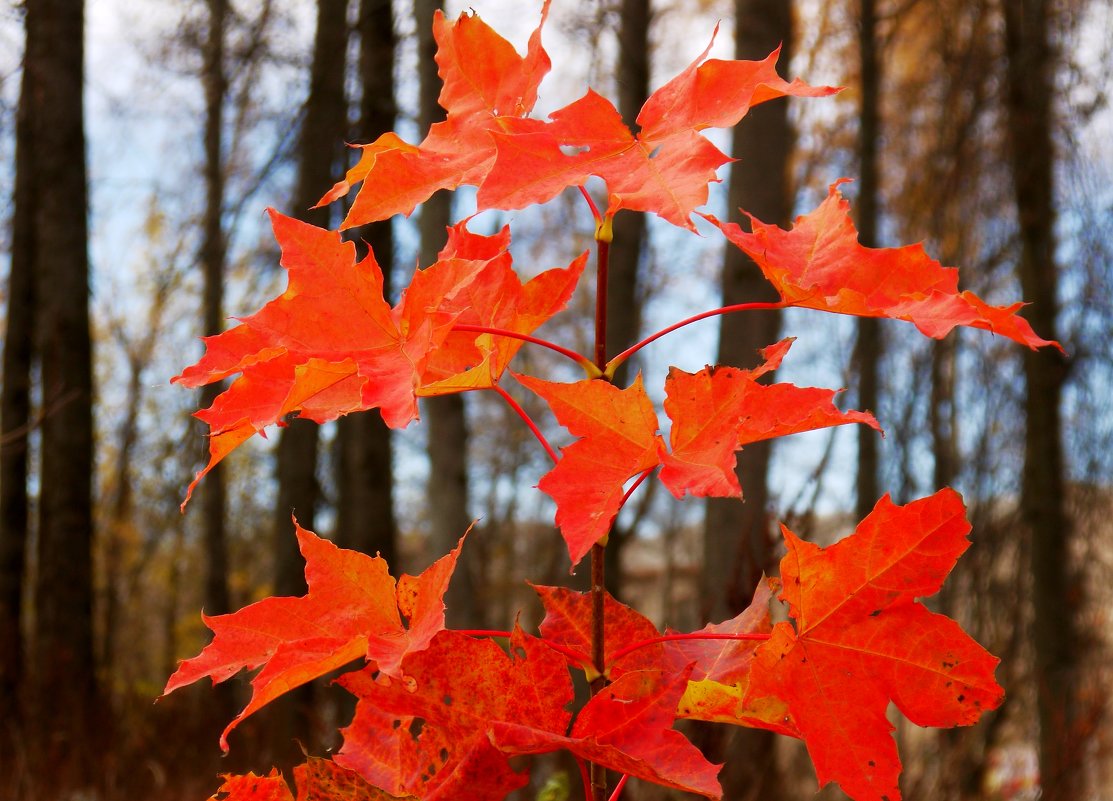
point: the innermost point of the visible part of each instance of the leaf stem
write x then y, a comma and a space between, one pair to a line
610, 367
588, 366
518, 410
634, 486
603, 235
692, 635
584, 776
618, 787
591, 205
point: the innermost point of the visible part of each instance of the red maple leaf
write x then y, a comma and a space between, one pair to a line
619, 440
458, 688
664, 169
250, 787
497, 298
714, 413
486, 84
719, 409
819, 264
860, 639
330, 344
488, 140
353, 609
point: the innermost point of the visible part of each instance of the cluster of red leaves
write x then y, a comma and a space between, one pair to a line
441, 713
858, 641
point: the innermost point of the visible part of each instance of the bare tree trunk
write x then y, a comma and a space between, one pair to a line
623, 289
15, 422
66, 694
365, 506
738, 544
212, 256
445, 416
868, 347
1030, 120
319, 156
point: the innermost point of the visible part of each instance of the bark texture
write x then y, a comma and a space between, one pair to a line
65, 695
738, 544
15, 422
1031, 61
868, 347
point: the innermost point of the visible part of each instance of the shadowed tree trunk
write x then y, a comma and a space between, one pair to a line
65, 697
1030, 121
445, 416
319, 157
212, 257
365, 506
15, 422
737, 536
623, 291
868, 347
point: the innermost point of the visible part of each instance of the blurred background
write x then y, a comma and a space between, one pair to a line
140, 143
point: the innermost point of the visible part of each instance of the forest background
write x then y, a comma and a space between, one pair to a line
139, 144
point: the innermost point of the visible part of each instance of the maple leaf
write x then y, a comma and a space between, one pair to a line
353, 609
819, 264
618, 429
718, 410
324, 780
720, 676
713, 412
717, 669
458, 687
488, 140
497, 298
567, 623
486, 83
627, 727
250, 787
665, 169
330, 344
861, 640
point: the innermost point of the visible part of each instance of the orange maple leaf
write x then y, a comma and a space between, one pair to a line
860, 639
353, 609
819, 264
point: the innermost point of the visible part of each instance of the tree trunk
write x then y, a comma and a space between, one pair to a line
738, 544
445, 416
319, 156
1030, 122
65, 697
15, 423
212, 257
365, 507
868, 347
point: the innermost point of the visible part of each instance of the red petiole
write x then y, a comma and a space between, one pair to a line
613, 365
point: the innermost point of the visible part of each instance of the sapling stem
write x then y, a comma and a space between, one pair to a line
603, 234
610, 367
587, 365
518, 410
